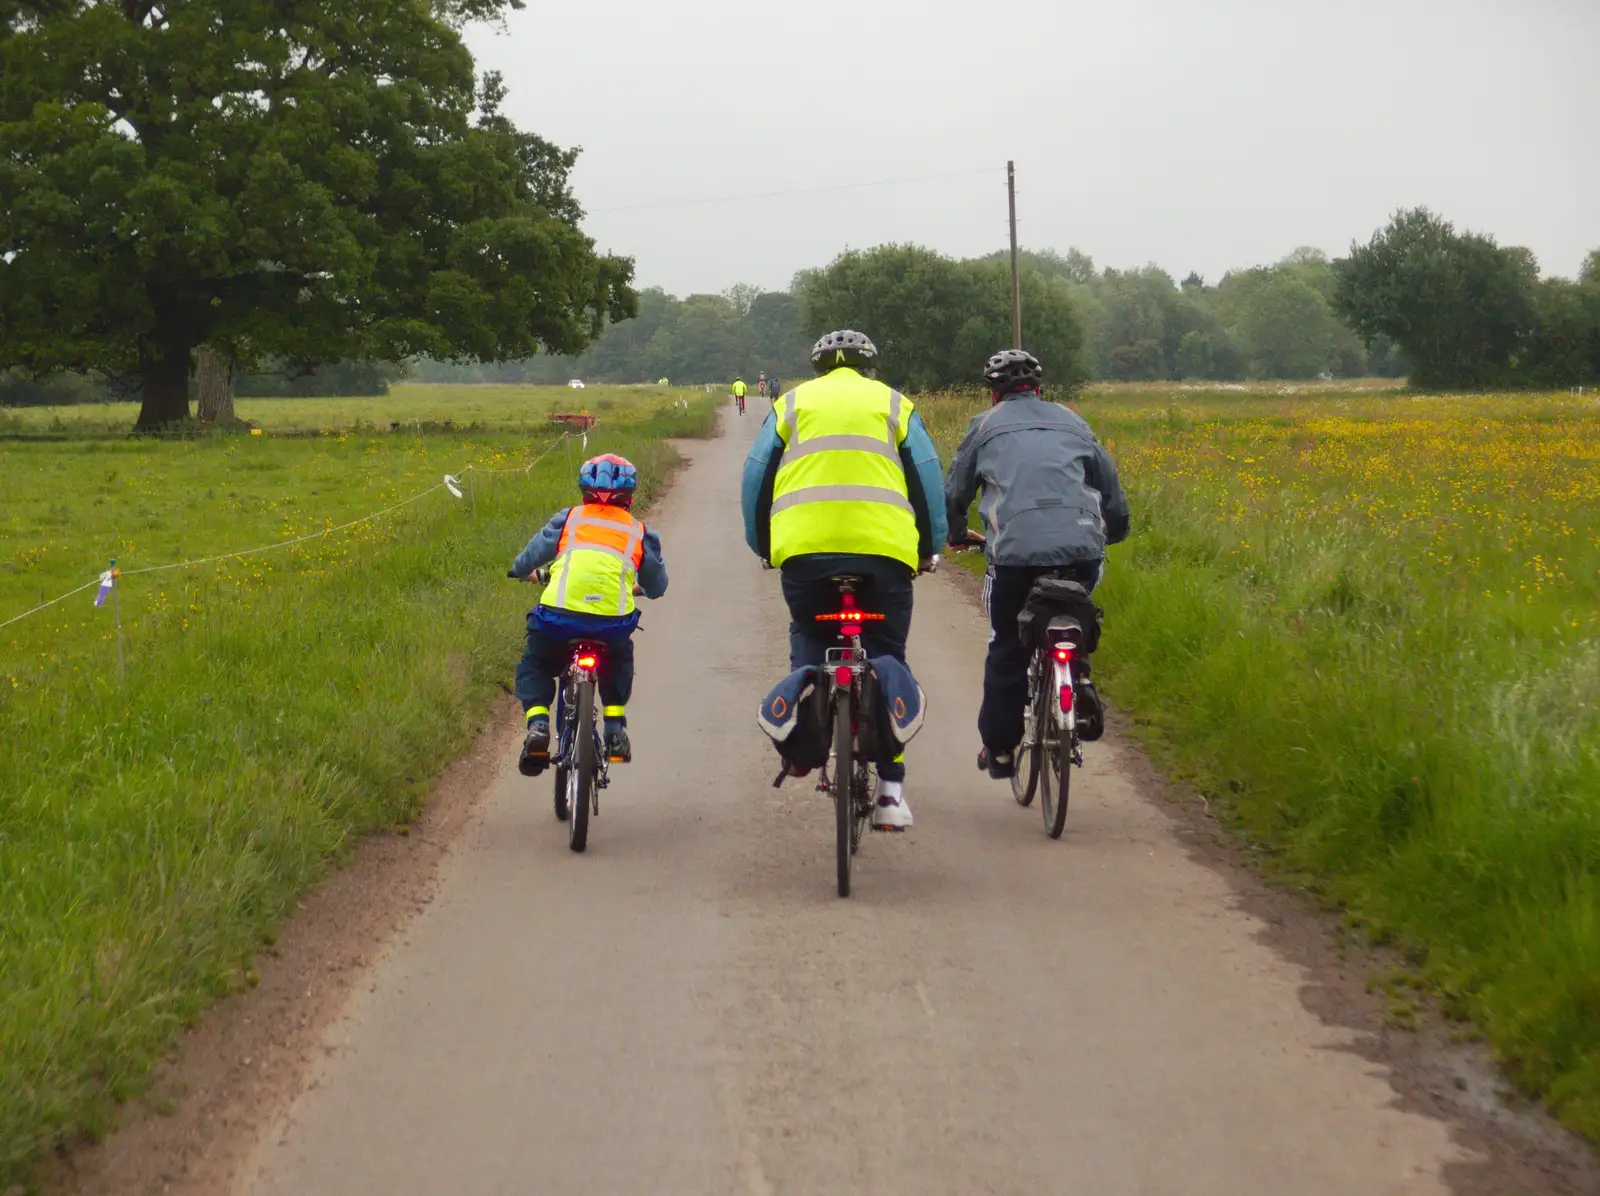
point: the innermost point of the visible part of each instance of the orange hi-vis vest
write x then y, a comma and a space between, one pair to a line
597, 562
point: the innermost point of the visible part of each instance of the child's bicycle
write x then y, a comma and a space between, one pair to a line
580, 760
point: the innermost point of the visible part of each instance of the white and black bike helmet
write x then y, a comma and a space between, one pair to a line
1012, 369
844, 347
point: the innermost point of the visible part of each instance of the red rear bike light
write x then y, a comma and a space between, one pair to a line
850, 629
843, 676
1066, 699
850, 616
587, 662
1064, 652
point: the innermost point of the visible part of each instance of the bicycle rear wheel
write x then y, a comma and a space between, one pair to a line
1055, 766
844, 798
1025, 780
581, 781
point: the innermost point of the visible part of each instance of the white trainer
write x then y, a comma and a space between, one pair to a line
891, 813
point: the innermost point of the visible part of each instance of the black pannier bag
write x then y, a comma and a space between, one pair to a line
1056, 596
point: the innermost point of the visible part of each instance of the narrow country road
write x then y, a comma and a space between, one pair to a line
689, 1007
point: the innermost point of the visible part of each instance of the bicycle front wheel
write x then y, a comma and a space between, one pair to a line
844, 798
581, 780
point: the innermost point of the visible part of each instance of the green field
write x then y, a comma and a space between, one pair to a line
155, 826
1366, 623
477, 407
1371, 625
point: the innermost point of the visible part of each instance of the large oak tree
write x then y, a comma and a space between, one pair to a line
305, 180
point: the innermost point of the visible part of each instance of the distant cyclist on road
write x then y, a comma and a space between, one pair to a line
739, 390
1051, 504
599, 550
761, 385
844, 479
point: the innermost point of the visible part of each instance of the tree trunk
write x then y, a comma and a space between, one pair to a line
165, 384
214, 385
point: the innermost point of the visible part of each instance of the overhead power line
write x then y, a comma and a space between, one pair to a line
720, 199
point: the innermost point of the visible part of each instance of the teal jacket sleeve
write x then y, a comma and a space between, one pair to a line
755, 491
924, 486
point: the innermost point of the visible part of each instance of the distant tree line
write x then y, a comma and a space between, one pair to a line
1447, 309
1469, 313
704, 338
344, 378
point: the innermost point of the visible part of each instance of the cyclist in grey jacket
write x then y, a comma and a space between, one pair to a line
1051, 503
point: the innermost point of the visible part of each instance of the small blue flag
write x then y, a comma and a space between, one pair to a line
107, 579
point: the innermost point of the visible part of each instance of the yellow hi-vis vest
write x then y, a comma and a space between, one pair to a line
597, 562
840, 484
739, 389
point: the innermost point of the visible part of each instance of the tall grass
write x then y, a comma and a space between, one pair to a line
1373, 623
153, 830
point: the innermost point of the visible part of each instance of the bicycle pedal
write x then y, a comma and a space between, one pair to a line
616, 760
889, 830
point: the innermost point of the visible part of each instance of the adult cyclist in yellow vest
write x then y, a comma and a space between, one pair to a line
739, 392
600, 550
844, 478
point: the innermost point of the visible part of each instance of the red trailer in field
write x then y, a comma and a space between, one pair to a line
578, 421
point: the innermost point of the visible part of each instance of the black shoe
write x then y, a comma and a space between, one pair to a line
1091, 714
618, 749
535, 748
1001, 766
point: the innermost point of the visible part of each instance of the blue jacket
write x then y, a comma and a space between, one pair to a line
542, 549
924, 486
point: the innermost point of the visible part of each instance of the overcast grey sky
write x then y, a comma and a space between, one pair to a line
1196, 134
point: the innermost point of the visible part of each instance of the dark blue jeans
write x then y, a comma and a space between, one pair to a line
1005, 673
885, 589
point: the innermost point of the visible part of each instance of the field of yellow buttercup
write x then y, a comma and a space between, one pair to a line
1367, 625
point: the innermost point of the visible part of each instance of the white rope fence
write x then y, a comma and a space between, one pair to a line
106, 580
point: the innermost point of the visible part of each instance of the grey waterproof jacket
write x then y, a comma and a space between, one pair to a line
1050, 490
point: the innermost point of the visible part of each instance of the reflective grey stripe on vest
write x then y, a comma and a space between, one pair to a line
789, 417
895, 399
876, 494
859, 444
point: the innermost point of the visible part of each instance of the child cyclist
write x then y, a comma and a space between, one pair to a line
599, 551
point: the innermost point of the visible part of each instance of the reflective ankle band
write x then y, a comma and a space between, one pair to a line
538, 712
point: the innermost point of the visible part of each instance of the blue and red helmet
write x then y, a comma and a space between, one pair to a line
608, 479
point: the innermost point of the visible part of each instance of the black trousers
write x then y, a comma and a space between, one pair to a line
1005, 673
885, 589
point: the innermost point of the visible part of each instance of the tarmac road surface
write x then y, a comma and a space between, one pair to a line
689, 1008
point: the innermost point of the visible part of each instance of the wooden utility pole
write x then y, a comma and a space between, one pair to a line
1016, 286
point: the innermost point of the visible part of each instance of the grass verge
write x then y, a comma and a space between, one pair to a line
1371, 623
153, 829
